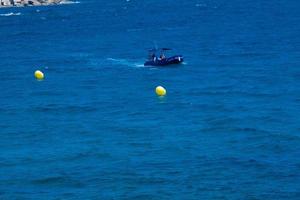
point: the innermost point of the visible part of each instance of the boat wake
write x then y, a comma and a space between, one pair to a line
124, 62
70, 2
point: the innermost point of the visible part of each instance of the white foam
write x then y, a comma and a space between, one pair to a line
10, 14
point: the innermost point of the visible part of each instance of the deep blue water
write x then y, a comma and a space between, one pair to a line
94, 128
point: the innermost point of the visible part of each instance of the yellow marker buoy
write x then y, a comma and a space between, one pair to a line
39, 75
160, 91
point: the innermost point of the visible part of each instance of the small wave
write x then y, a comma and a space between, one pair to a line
134, 29
59, 180
65, 108
10, 14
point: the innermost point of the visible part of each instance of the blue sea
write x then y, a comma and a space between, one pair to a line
228, 128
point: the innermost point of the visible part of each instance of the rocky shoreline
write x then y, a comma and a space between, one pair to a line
22, 3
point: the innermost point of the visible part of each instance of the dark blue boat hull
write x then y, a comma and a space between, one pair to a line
164, 62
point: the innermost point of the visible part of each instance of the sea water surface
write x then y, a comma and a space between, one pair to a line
94, 129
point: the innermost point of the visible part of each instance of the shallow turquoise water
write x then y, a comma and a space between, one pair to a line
94, 128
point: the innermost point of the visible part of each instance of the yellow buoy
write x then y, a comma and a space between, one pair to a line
160, 91
39, 75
